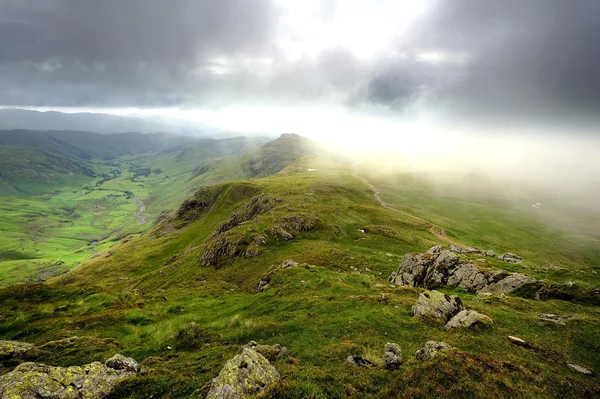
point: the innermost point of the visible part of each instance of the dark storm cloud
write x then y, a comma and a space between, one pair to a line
464, 58
127, 50
526, 59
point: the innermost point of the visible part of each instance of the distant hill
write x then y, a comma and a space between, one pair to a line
14, 118
271, 158
87, 145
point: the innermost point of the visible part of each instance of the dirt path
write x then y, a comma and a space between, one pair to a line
433, 229
141, 207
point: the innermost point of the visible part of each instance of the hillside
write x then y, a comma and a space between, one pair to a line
60, 207
184, 297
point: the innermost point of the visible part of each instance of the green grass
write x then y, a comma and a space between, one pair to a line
144, 291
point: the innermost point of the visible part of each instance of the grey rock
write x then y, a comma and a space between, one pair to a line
468, 318
509, 257
120, 362
554, 318
435, 250
469, 277
392, 356
288, 263
359, 361
437, 306
511, 283
431, 350
490, 253
35, 380
248, 373
440, 267
580, 369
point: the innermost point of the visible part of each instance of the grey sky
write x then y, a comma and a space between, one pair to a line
480, 60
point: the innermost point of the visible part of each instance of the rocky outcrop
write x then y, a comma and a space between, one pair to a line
13, 351
431, 350
248, 373
439, 267
264, 281
437, 306
286, 228
94, 380
392, 356
468, 318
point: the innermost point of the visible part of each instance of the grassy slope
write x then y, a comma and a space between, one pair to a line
137, 294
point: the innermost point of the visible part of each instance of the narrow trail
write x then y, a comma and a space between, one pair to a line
141, 207
433, 229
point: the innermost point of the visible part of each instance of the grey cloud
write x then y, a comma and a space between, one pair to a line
522, 59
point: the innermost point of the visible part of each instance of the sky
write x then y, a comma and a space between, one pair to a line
331, 67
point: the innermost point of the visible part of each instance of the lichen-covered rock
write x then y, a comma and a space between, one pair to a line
248, 373
270, 352
554, 318
392, 356
432, 349
35, 380
468, 318
437, 306
11, 351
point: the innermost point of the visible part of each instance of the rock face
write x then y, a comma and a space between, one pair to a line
13, 351
439, 267
392, 356
468, 318
94, 380
432, 349
437, 306
248, 373
554, 318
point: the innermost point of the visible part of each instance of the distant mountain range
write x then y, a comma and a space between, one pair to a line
15, 118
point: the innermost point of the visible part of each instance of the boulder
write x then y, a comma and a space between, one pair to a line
468, 318
432, 349
392, 356
36, 380
513, 283
437, 306
248, 373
